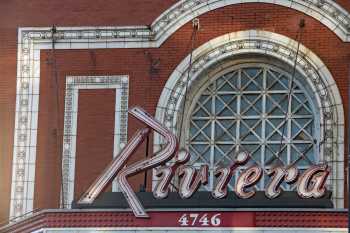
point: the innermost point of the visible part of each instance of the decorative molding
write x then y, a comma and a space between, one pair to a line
327, 12
320, 80
32, 40
73, 85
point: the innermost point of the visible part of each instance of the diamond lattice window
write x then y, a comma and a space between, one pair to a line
247, 109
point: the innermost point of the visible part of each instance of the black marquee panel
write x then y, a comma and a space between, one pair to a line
287, 199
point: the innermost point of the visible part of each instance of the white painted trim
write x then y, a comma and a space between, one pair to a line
73, 84
284, 49
31, 42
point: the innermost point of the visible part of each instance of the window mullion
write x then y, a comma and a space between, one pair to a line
289, 126
212, 138
263, 124
238, 118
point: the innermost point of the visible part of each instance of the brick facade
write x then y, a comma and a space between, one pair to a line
145, 88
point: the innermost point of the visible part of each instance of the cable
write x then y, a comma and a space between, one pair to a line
58, 125
53, 31
193, 40
347, 169
6, 222
291, 85
195, 24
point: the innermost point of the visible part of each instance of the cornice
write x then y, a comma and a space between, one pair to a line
327, 12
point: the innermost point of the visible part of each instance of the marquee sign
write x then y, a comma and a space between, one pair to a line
310, 184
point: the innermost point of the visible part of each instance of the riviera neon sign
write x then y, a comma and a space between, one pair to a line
310, 184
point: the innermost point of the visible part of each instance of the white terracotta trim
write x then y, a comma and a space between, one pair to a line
327, 12
73, 85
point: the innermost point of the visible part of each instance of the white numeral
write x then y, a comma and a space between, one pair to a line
215, 220
194, 217
203, 219
183, 220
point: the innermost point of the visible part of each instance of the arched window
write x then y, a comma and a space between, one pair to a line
245, 108
316, 107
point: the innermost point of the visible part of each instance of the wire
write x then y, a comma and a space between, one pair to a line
9, 221
291, 86
193, 40
192, 44
58, 125
53, 30
347, 169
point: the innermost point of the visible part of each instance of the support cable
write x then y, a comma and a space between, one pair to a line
348, 167
195, 24
53, 31
58, 124
291, 86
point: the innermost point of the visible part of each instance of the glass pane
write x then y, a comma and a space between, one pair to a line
200, 153
223, 154
225, 130
232, 112
251, 105
277, 104
250, 130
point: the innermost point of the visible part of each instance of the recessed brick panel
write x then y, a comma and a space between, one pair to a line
95, 136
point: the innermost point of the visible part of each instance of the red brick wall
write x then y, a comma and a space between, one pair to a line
95, 136
345, 4
144, 90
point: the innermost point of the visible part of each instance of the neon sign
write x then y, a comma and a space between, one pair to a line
310, 184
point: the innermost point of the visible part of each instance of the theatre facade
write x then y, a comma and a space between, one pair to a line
175, 116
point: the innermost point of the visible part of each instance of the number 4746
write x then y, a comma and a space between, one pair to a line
195, 219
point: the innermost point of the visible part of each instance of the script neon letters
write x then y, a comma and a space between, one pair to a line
310, 184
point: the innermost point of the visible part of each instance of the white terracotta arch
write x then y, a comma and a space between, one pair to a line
327, 95
327, 12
